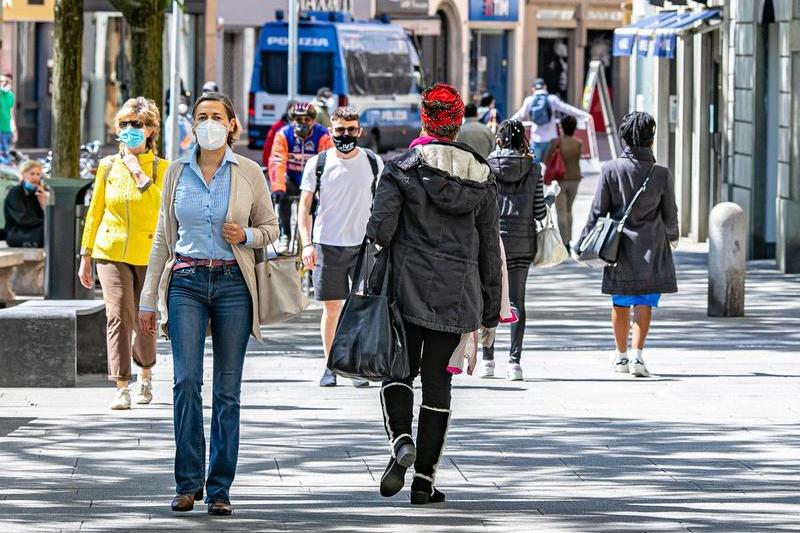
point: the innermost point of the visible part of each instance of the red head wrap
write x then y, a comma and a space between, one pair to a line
442, 110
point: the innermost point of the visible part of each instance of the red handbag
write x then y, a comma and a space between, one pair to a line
556, 168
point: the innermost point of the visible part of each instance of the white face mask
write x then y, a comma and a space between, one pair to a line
182, 109
211, 135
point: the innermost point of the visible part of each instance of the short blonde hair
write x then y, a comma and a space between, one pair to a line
146, 111
28, 165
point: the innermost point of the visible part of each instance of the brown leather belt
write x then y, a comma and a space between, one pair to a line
190, 262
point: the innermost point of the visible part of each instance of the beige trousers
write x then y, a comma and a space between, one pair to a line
564, 201
122, 285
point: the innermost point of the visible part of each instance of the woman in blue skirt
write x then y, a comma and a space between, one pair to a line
645, 269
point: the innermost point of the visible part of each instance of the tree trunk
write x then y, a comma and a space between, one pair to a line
67, 58
146, 20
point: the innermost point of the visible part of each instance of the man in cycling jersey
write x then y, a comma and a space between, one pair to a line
294, 145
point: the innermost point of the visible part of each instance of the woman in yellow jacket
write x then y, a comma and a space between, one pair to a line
118, 236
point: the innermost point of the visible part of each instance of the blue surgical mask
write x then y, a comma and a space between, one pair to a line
28, 186
132, 137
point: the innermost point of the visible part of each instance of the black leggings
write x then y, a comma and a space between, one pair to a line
429, 352
517, 281
285, 207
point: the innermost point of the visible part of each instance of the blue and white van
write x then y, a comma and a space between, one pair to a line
371, 66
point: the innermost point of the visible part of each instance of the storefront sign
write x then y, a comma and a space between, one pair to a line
555, 14
27, 11
606, 15
402, 7
336, 6
494, 10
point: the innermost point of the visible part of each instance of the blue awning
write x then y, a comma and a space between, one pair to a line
661, 30
667, 36
625, 37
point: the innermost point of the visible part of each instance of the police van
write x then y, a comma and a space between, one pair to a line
370, 65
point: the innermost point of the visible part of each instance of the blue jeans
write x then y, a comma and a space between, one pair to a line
5, 146
539, 151
197, 295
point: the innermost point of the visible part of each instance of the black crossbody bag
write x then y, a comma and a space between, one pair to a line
600, 248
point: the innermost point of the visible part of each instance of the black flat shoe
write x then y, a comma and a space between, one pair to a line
394, 477
219, 508
419, 497
182, 503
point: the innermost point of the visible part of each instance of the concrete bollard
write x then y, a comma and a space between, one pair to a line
727, 252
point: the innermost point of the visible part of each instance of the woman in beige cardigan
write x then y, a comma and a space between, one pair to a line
215, 210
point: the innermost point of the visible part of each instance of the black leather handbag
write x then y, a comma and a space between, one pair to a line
600, 248
370, 341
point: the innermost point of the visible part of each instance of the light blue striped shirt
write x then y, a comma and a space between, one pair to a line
201, 209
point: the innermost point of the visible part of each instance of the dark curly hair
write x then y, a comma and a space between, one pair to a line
638, 129
511, 135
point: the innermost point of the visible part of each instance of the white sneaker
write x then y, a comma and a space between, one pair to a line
620, 363
514, 372
638, 369
283, 245
122, 400
143, 392
485, 369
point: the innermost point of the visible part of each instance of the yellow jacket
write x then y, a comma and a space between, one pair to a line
122, 220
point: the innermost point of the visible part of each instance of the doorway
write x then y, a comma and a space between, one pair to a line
488, 72
765, 127
554, 61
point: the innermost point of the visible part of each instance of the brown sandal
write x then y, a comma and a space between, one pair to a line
185, 502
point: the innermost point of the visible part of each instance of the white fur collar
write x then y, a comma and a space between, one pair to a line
455, 162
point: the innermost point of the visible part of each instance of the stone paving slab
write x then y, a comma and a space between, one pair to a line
708, 444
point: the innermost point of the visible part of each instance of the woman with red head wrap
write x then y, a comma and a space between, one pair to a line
435, 210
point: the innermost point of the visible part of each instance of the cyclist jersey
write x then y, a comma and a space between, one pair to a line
290, 154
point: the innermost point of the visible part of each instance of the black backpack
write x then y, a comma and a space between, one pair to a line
322, 159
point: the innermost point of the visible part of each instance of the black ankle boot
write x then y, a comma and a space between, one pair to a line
397, 400
431, 437
423, 492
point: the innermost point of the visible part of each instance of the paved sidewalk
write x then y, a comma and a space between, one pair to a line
708, 444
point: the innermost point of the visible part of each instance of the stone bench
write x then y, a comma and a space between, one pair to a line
28, 279
47, 343
9, 262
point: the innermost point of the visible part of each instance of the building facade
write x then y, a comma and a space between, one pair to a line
27, 53
762, 124
500, 46
718, 77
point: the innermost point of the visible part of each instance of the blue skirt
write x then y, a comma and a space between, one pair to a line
624, 300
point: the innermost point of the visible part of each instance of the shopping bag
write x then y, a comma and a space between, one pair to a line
370, 340
550, 249
280, 296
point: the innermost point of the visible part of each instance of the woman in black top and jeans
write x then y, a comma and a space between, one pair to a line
436, 208
521, 200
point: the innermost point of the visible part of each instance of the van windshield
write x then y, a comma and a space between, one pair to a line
378, 63
316, 71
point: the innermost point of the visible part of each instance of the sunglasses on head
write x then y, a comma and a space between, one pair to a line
132, 123
350, 130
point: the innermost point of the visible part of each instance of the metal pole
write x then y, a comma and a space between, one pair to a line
175, 81
292, 56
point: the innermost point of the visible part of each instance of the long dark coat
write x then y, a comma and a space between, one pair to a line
645, 263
